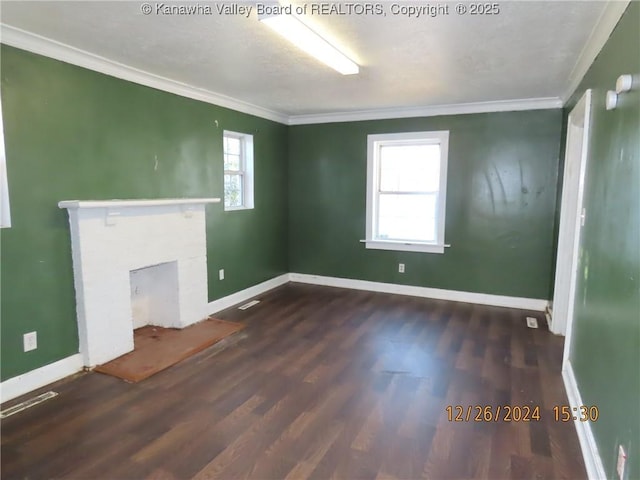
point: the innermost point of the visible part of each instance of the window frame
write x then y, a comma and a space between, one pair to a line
374, 144
245, 171
5, 210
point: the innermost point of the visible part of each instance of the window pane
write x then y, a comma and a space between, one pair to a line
410, 168
407, 217
231, 162
233, 191
232, 145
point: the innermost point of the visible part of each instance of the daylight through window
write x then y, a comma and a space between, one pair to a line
238, 170
407, 191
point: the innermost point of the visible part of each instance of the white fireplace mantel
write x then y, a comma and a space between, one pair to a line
135, 203
133, 255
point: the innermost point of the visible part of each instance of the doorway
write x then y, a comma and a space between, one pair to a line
572, 216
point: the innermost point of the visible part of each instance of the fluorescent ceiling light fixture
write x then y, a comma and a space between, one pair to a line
306, 39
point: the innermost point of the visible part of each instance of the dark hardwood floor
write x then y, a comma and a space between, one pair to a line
323, 383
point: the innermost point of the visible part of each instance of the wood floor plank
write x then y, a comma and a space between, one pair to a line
321, 383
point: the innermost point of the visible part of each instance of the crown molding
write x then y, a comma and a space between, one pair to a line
609, 18
34, 43
31, 42
431, 111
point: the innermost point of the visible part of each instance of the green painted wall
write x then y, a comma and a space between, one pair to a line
501, 197
75, 134
605, 351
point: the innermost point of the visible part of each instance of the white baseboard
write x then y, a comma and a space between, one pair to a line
592, 460
27, 382
436, 293
549, 316
14, 387
246, 294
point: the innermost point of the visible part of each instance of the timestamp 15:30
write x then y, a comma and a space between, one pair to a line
583, 413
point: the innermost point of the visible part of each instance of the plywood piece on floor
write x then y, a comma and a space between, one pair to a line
158, 348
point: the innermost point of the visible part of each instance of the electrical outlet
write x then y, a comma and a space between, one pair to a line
30, 341
221, 274
622, 458
401, 267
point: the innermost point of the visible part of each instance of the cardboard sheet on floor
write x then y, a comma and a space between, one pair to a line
157, 348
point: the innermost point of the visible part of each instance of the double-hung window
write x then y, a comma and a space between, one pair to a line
238, 170
406, 191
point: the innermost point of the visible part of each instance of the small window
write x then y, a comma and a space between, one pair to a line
238, 170
406, 191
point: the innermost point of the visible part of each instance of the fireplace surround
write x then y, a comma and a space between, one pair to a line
114, 243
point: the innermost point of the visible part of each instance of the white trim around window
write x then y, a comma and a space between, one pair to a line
436, 193
238, 196
5, 213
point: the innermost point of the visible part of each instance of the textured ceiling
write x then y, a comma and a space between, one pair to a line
528, 50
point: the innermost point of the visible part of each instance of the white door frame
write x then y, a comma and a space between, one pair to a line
572, 217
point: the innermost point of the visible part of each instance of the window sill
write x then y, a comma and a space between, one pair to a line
234, 209
404, 246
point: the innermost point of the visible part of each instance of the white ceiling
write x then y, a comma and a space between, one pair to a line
527, 51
